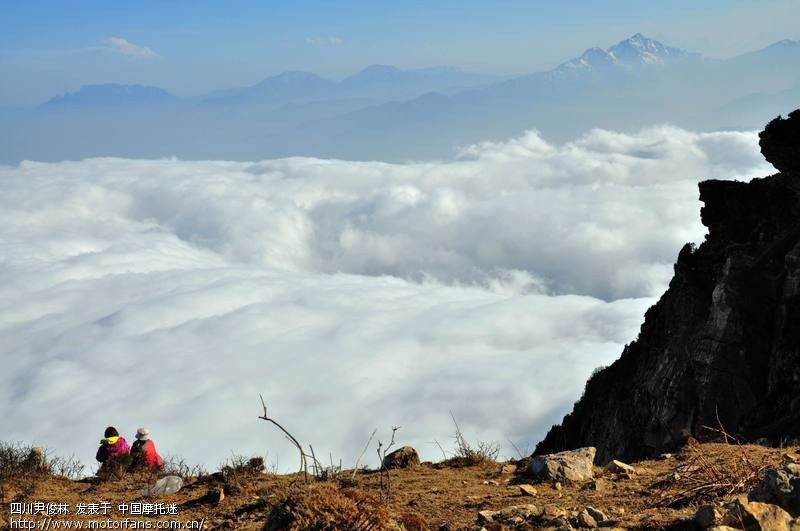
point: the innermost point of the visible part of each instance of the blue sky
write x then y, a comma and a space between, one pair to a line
48, 47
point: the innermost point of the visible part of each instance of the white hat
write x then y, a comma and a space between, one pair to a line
143, 434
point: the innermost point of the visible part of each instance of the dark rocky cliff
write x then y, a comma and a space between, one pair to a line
722, 345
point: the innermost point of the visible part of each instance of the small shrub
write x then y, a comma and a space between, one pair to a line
23, 467
238, 473
17, 459
177, 466
68, 467
116, 468
467, 455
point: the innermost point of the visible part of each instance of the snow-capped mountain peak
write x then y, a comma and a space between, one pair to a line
640, 50
591, 59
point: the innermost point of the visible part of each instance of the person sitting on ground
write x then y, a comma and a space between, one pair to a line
144, 450
111, 445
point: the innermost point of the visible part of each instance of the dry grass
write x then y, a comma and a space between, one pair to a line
703, 476
427, 496
326, 507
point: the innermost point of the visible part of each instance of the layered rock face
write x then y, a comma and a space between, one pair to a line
721, 348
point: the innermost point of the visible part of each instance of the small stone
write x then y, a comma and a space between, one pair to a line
486, 516
598, 485
597, 514
557, 485
560, 523
217, 495
508, 469
514, 514
528, 490
666, 456
791, 458
707, 516
551, 511
618, 467
586, 520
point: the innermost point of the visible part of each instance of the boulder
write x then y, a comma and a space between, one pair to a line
757, 516
404, 457
780, 487
574, 465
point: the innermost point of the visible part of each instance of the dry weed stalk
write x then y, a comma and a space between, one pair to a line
384, 472
355, 467
700, 478
318, 470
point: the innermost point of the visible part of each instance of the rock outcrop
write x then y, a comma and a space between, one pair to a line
780, 142
574, 466
403, 457
721, 348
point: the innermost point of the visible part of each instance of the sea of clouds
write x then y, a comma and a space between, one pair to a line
352, 295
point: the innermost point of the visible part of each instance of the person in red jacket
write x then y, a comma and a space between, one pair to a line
144, 450
111, 445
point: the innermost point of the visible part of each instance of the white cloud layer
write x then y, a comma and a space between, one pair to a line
353, 295
128, 48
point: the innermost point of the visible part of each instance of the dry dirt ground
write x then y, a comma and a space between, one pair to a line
662, 494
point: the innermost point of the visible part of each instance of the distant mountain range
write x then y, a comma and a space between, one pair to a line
386, 113
112, 94
374, 83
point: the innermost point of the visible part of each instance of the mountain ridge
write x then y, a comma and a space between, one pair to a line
720, 350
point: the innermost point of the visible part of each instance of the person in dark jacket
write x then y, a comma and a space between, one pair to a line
111, 445
144, 450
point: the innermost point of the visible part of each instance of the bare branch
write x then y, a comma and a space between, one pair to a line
355, 467
303, 463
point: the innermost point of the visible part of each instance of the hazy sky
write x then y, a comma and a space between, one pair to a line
48, 47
